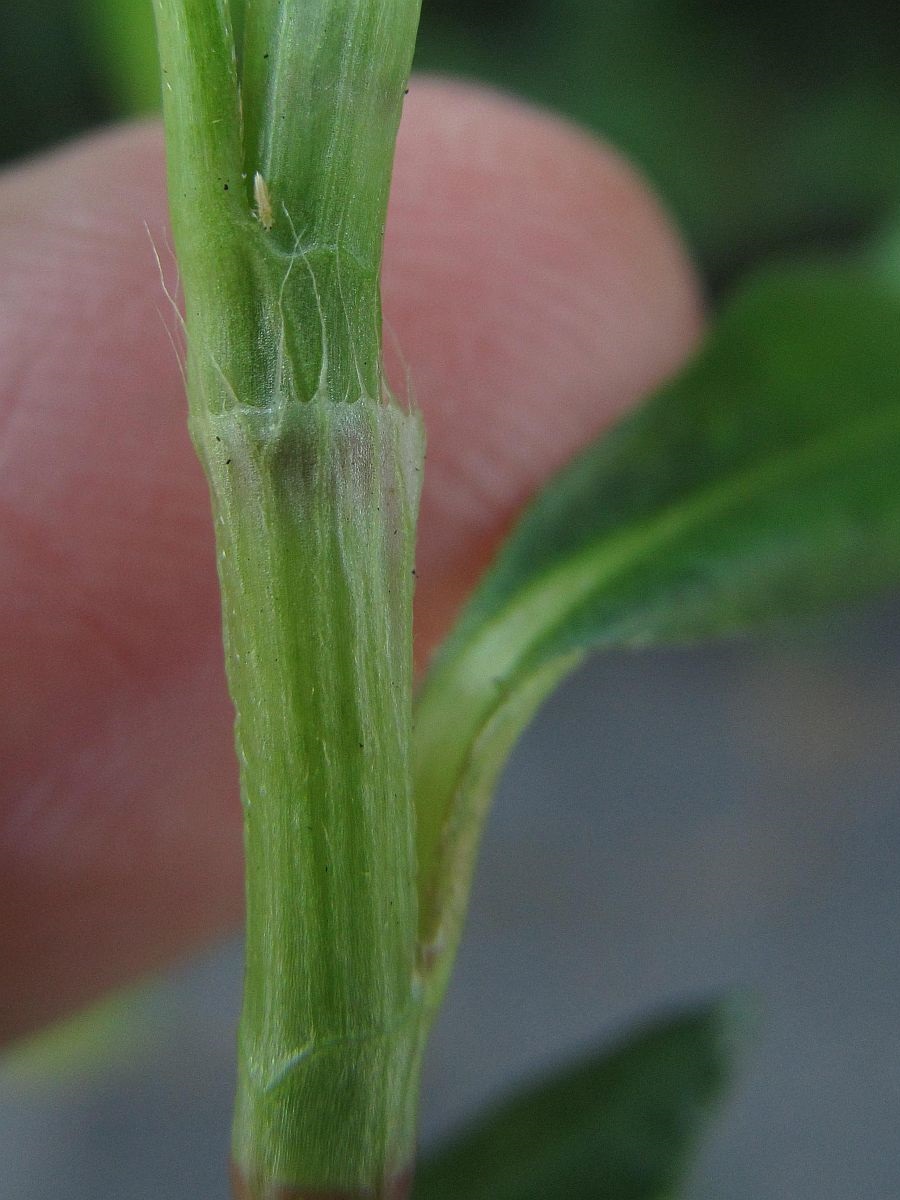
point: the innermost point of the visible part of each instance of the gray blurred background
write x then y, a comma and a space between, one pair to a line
675, 825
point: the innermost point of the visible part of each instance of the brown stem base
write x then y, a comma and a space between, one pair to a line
398, 1189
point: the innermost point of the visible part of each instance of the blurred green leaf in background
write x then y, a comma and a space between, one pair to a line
121, 37
762, 124
52, 84
622, 1125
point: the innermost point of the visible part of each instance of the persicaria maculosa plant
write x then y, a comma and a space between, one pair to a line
745, 490
279, 176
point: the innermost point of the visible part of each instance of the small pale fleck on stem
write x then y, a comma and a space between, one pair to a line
265, 214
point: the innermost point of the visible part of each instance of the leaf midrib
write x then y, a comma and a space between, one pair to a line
576, 577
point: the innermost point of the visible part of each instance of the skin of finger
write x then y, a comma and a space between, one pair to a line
534, 290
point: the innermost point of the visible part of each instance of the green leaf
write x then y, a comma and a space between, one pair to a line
763, 483
122, 38
621, 1126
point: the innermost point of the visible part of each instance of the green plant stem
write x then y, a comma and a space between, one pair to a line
312, 510
279, 174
